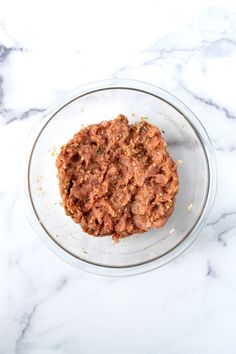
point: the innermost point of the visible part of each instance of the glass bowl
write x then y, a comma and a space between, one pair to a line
187, 142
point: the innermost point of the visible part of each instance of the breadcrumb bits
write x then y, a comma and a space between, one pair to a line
180, 162
190, 206
54, 151
143, 119
171, 231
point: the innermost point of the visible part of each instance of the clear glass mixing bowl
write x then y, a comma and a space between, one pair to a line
188, 144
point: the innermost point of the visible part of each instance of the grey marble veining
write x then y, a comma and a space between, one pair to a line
188, 306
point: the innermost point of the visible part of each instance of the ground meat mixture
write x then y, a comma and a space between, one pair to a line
117, 179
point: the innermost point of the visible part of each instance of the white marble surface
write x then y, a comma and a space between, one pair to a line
50, 47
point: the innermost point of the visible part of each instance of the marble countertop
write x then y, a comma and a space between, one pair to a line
48, 48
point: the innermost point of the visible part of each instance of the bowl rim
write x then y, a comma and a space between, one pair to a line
191, 118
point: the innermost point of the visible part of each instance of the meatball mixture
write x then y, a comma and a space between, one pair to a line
117, 178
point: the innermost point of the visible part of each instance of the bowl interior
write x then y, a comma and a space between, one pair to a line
183, 144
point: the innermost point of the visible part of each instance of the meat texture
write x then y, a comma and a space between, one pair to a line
117, 179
